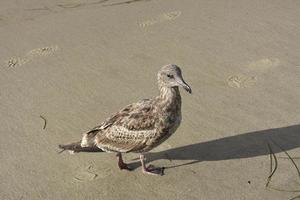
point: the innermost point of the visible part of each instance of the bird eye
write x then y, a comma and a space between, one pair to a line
170, 76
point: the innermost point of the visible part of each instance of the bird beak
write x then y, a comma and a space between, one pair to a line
185, 86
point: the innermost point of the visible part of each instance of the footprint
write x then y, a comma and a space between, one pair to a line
161, 18
38, 52
84, 176
172, 15
241, 81
12, 62
258, 67
263, 64
15, 61
89, 173
42, 51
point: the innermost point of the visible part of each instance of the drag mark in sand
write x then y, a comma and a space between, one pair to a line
125, 2
81, 4
161, 18
31, 55
44, 8
77, 5
70, 5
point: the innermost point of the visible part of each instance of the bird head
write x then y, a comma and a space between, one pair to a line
170, 76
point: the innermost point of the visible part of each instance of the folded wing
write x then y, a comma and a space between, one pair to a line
129, 129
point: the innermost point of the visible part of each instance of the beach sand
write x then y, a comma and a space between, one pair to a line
76, 62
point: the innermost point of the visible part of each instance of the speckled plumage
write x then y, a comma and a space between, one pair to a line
141, 126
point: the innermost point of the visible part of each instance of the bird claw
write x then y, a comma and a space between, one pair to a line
152, 170
126, 168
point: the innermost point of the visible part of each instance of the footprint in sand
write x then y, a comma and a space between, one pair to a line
259, 67
88, 173
161, 18
31, 55
84, 176
241, 81
263, 64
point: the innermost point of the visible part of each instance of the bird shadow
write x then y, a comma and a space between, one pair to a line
245, 145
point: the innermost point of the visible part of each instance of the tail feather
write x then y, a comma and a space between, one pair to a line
76, 147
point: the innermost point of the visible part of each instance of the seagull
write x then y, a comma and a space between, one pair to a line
139, 127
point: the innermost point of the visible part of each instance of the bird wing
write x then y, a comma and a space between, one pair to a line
129, 129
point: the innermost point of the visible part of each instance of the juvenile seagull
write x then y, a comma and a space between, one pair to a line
141, 126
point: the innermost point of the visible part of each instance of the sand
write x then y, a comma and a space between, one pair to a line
76, 62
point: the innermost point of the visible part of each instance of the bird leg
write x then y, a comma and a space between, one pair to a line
151, 169
121, 163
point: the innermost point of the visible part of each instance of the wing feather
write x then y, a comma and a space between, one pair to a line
129, 129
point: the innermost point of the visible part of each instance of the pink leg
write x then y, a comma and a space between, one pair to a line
121, 163
151, 169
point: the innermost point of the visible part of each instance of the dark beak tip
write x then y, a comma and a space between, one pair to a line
185, 86
188, 89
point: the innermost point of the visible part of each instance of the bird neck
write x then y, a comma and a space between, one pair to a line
169, 97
